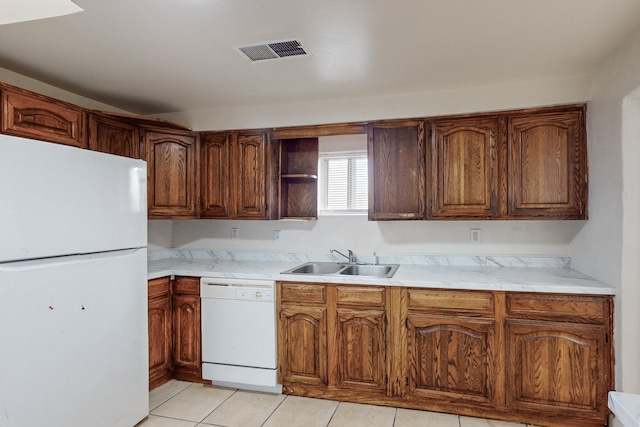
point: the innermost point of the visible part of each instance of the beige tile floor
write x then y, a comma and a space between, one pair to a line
183, 404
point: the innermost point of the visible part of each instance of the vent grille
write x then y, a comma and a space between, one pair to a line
273, 50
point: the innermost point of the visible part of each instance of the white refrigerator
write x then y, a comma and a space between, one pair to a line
73, 290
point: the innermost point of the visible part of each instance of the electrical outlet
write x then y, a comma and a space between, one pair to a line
475, 236
235, 233
276, 236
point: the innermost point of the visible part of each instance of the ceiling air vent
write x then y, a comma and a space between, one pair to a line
273, 50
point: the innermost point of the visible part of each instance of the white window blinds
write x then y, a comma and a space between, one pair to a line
343, 183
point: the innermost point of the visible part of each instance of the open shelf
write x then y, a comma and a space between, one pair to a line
298, 179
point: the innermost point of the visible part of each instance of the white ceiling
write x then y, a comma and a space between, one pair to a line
158, 56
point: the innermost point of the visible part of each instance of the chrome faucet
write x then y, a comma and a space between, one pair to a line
351, 257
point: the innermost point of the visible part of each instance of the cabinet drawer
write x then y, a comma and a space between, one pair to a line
159, 287
187, 285
442, 301
302, 292
587, 308
361, 295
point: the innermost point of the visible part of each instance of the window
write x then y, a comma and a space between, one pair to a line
342, 178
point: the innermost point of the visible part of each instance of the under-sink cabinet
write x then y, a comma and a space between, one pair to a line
536, 358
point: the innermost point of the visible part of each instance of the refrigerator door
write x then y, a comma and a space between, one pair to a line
59, 200
73, 337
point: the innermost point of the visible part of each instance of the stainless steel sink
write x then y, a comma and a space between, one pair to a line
333, 268
316, 268
370, 270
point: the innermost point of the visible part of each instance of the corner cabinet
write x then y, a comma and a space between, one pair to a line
175, 344
396, 170
160, 332
187, 337
464, 173
543, 359
547, 165
172, 171
238, 170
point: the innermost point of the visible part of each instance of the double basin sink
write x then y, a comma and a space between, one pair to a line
344, 269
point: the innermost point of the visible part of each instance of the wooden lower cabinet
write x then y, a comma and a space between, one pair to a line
175, 344
187, 337
160, 332
451, 357
360, 350
543, 359
304, 356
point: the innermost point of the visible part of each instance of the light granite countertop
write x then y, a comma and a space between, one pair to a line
479, 273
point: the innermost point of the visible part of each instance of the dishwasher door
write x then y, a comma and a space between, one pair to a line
239, 331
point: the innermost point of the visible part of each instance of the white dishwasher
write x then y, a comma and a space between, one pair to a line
239, 333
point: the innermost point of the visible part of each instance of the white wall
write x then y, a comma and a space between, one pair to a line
364, 237
465, 100
608, 246
159, 234
23, 82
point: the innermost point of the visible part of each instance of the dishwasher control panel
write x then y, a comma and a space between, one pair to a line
254, 294
237, 289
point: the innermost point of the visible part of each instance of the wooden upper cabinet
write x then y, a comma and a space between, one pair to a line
251, 168
237, 175
463, 169
215, 163
547, 165
396, 158
113, 136
171, 169
35, 116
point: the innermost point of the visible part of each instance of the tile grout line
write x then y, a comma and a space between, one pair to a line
169, 398
334, 413
221, 403
274, 410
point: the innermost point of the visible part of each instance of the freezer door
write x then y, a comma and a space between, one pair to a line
73, 341
59, 200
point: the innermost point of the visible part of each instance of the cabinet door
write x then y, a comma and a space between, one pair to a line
160, 331
451, 358
171, 170
30, 115
187, 352
396, 171
558, 369
547, 165
216, 173
361, 350
250, 185
464, 175
302, 338
114, 137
